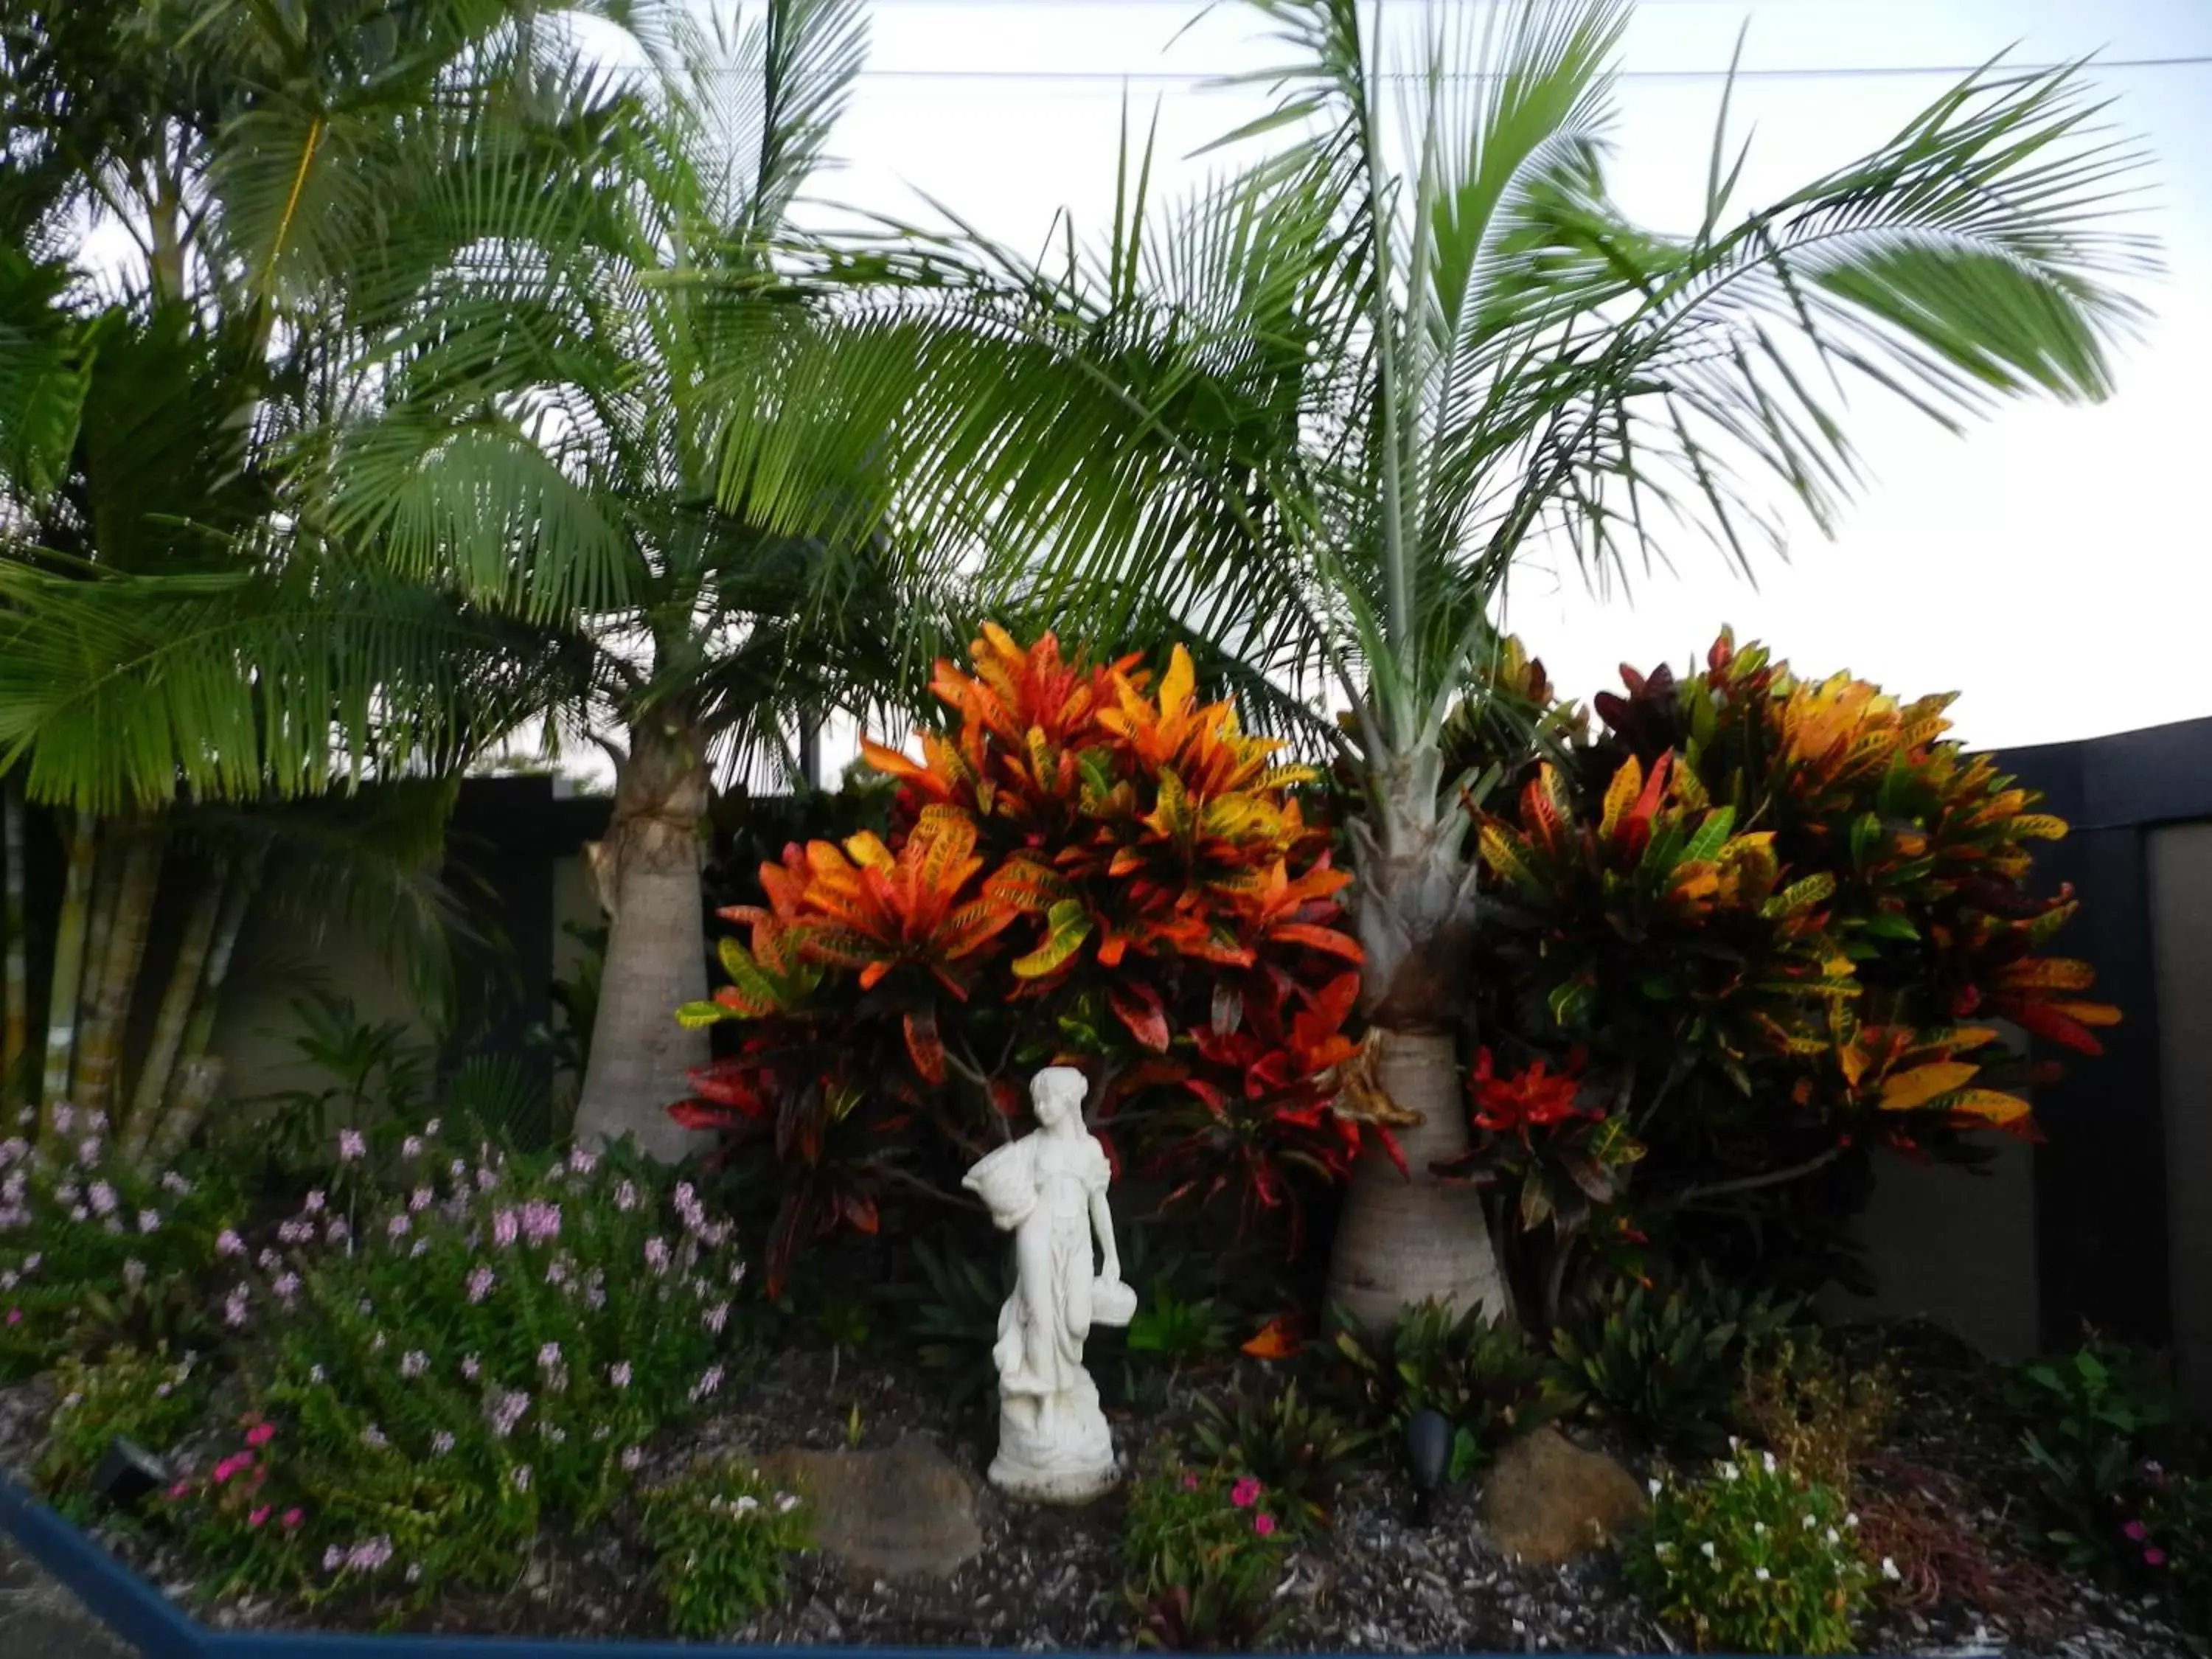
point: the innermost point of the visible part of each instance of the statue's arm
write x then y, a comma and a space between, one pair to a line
1101, 1222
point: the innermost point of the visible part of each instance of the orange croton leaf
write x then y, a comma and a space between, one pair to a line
1279, 1339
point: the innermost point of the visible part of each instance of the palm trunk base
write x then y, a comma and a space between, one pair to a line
641, 1058
1405, 1239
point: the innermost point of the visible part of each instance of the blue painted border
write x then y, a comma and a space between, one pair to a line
140, 1614
129, 1605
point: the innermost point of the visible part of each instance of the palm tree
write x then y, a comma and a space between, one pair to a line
1321, 410
174, 626
546, 442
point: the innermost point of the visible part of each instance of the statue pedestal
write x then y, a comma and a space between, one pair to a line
1056, 1449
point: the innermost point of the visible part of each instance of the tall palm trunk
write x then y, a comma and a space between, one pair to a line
129, 920
185, 971
70, 927
1407, 1238
16, 1023
649, 879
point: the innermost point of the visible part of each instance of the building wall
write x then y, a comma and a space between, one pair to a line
2180, 857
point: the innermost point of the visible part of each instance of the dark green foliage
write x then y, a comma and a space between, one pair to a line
1302, 1452
1670, 1366
1484, 1374
954, 1318
150, 1399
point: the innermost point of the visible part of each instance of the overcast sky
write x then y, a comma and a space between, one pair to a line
2049, 566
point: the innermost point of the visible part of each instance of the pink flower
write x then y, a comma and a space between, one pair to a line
1264, 1524
549, 1356
618, 1374
261, 1434
2154, 1557
656, 1254
625, 1197
522, 1478
259, 1517
1189, 1482
180, 1489
2135, 1532
351, 1145
541, 1221
313, 1202
504, 1228
398, 1226
419, 1200
1245, 1494
149, 1221
632, 1456
480, 1283
292, 1518
412, 1148
15, 1315
581, 1161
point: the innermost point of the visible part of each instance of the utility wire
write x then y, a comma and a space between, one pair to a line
1807, 72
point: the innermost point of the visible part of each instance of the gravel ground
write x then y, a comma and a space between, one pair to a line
39, 1616
1050, 1579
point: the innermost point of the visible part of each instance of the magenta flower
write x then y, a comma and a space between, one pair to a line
259, 1517
292, 1519
2154, 1557
180, 1489
2135, 1532
15, 1315
261, 1434
1189, 1482
1264, 1524
1245, 1494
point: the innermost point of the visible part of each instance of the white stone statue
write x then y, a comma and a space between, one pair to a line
1049, 1189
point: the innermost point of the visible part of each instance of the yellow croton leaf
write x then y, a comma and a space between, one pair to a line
1992, 1106
1915, 1088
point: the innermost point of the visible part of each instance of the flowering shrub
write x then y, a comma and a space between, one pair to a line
93, 1249
1763, 920
481, 1351
720, 1536
1204, 1551
1303, 1452
1753, 1559
2171, 1540
148, 1398
247, 1511
1082, 870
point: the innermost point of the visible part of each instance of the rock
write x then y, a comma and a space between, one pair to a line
909, 1511
1548, 1500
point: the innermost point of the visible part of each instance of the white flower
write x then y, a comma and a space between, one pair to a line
1889, 1569
1707, 1549
1833, 1536
1729, 1472
1761, 1574
785, 1502
1851, 1521
1810, 1522
1759, 1528
1769, 1463
747, 1503
1656, 1487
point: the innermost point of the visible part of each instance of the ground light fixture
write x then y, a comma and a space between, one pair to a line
1428, 1449
127, 1472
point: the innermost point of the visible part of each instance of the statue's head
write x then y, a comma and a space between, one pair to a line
1057, 1094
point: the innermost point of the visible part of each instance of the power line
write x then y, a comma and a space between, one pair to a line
1805, 72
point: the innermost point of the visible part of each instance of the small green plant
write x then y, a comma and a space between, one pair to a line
1802, 1401
1670, 1366
1482, 1374
1300, 1451
247, 1511
148, 1398
2171, 1540
2092, 1422
1176, 1330
720, 1537
1752, 1559
1204, 1550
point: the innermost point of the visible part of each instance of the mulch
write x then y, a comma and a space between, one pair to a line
1051, 1579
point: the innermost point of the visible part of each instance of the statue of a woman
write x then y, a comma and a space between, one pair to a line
1049, 1189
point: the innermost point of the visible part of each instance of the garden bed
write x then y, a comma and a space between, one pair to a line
1052, 1578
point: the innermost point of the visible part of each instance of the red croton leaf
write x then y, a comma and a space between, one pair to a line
1138, 1007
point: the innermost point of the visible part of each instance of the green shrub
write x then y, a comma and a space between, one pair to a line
953, 1317
248, 1511
1753, 1559
1670, 1366
1204, 1551
1802, 1401
719, 1536
148, 1398
1482, 1374
94, 1249
1299, 1451
2171, 1540
482, 1352
2098, 1427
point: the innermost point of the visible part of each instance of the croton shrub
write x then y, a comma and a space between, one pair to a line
1749, 926
1083, 867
